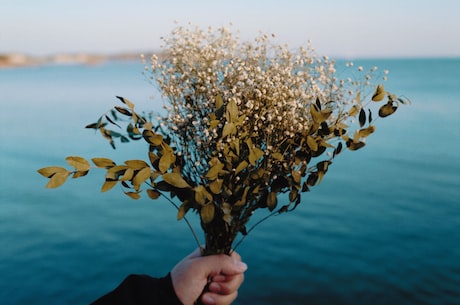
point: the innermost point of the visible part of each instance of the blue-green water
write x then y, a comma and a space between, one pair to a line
382, 228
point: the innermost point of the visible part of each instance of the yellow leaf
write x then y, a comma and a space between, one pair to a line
219, 101
241, 166
214, 171
126, 102
202, 196
108, 185
57, 179
114, 172
103, 162
181, 212
51, 170
379, 94
152, 138
354, 110
232, 111
153, 194
296, 176
176, 180
141, 176
79, 163
128, 175
133, 195
136, 164
207, 213
312, 144
148, 126
229, 129
243, 199
216, 186
277, 156
166, 161
366, 131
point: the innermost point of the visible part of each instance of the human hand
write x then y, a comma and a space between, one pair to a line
225, 272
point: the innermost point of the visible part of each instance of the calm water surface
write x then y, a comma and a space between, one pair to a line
382, 228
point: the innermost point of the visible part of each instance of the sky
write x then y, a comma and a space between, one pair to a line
348, 29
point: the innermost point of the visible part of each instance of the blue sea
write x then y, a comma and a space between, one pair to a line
382, 228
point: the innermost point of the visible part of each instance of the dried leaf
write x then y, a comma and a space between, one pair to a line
176, 180
219, 101
214, 171
141, 176
229, 129
272, 201
166, 161
79, 174
202, 196
133, 195
153, 194
379, 94
57, 179
51, 170
103, 162
387, 109
123, 111
241, 167
207, 213
108, 185
126, 102
136, 164
366, 131
362, 117
79, 163
312, 144
216, 186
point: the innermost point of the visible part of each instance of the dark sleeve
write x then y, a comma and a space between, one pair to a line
141, 290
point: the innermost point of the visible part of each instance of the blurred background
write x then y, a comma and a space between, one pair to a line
382, 228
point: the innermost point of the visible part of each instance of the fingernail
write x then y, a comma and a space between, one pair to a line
207, 299
241, 265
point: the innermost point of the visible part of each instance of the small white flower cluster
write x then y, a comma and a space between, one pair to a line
272, 86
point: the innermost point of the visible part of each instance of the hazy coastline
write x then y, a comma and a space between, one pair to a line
17, 60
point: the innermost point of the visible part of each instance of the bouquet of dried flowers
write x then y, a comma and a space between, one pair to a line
244, 123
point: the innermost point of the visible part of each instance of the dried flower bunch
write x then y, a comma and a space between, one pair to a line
244, 123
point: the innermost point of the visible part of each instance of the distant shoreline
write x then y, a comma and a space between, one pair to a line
19, 60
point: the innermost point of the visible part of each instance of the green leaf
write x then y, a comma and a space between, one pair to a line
176, 180
79, 163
